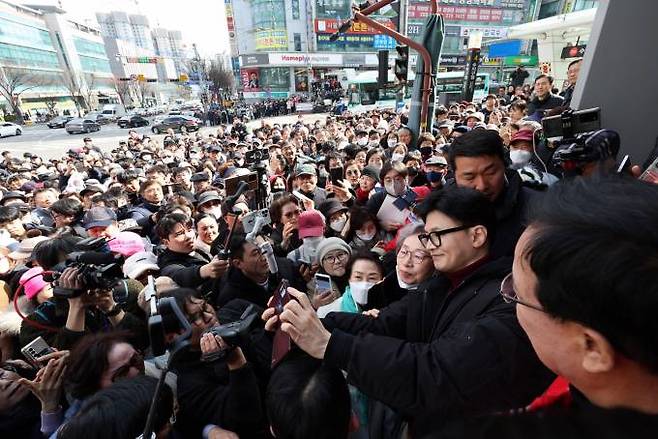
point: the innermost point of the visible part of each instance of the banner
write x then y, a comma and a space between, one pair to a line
250, 80
301, 80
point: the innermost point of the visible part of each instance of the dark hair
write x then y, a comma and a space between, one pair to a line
236, 246
390, 165
126, 176
575, 61
68, 206
120, 411
519, 105
276, 208
375, 151
181, 295
88, 361
9, 213
550, 78
158, 168
360, 255
476, 143
308, 399
167, 223
53, 251
606, 284
359, 216
465, 205
200, 217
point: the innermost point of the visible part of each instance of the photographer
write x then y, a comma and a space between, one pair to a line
177, 261
224, 392
88, 311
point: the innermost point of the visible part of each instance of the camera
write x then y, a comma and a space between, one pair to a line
234, 334
256, 155
98, 269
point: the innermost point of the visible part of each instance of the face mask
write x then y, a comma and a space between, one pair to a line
373, 144
434, 176
406, 286
391, 143
412, 171
337, 226
216, 211
359, 291
365, 237
362, 141
397, 157
520, 158
395, 188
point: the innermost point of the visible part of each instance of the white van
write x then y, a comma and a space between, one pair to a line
113, 111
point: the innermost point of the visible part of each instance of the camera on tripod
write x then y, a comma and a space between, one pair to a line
256, 155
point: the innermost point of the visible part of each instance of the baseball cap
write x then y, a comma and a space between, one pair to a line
12, 195
126, 243
98, 217
477, 115
521, 135
200, 176
24, 249
92, 188
138, 263
306, 169
310, 223
436, 160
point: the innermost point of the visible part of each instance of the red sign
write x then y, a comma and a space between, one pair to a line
250, 79
330, 26
454, 13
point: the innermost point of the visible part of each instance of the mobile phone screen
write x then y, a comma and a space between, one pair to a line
336, 175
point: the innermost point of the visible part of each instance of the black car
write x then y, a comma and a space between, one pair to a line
132, 122
59, 121
177, 123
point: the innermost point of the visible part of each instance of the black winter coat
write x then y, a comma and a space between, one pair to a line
438, 354
385, 293
185, 270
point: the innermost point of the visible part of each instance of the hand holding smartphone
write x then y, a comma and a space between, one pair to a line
281, 344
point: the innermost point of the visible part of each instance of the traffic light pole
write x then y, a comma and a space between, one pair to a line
361, 15
427, 59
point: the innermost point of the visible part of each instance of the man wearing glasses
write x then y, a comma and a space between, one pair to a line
451, 349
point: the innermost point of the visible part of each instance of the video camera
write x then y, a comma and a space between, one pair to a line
98, 268
234, 334
256, 156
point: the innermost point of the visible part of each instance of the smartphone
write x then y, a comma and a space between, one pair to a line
36, 349
322, 284
651, 173
336, 175
281, 344
300, 196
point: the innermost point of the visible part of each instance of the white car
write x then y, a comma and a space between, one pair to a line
10, 129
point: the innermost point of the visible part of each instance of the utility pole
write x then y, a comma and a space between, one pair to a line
201, 72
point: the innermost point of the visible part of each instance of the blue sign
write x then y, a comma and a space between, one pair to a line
383, 42
505, 48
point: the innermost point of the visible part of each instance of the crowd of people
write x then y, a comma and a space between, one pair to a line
459, 283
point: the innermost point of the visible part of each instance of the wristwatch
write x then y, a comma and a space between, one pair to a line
116, 309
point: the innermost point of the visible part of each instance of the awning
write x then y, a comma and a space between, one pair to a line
566, 25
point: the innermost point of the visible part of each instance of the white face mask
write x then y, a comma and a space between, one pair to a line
360, 290
363, 141
397, 157
391, 143
337, 226
520, 157
365, 236
406, 286
373, 144
394, 188
216, 211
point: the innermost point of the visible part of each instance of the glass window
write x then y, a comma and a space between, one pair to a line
549, 9
275, 78
298, 42
27, 57
585, 4
16, 33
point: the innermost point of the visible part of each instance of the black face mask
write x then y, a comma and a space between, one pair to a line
412, 171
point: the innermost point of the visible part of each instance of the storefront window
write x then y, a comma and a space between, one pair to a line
585, 4
275, 78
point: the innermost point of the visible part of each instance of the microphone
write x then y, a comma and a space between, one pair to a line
230, 201
267, 250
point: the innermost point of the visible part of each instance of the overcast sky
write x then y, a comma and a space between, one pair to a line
200, 21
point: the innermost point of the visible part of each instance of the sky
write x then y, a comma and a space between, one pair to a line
201, 21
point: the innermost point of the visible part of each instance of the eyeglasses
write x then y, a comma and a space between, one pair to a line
510, 296
136, 361
435, 236
339, 257
418, 256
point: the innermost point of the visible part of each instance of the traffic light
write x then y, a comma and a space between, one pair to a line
382, 75
402, 63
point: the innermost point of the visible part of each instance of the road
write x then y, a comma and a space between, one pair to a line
54, 143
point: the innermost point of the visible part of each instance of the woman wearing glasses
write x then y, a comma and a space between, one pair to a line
333, 255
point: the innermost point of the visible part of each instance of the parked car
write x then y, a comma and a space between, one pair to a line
10, 129
82, 125
97, 117
132, 121
113, 112
59, 121
177, 123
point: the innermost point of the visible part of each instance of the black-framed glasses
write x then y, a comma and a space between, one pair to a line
435, 236
510, 296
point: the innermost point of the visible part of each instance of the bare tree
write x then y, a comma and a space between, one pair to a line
220, 78
75, 84
143, 90
122, 89
15, 82
88, 91
51, 103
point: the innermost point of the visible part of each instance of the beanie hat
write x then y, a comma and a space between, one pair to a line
32, 282
126, 243
331, 244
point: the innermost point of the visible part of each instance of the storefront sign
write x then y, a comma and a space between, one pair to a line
573, 51
271, 39
258, 59
302, 59
520, 60
266, 95
423, 10
487, 32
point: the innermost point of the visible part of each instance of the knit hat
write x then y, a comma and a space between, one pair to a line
331, 244
32, 282
372, 172
126, 243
